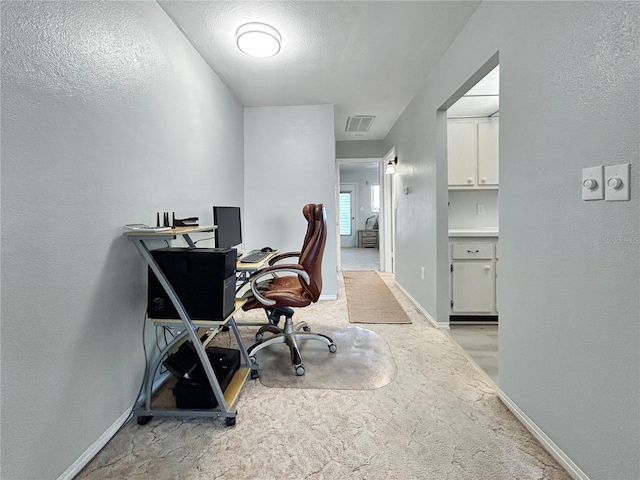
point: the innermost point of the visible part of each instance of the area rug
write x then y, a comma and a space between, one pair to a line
369, 300
363, 361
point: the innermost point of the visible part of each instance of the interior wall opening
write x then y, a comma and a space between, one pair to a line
473, 219
359, 214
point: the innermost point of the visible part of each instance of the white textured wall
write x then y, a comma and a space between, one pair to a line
463, 208
289, 162
569, 270
108, 115
360, 149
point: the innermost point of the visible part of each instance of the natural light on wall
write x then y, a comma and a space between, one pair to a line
375, 198
345, 214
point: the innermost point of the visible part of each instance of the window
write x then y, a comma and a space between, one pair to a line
375, 198
345, 213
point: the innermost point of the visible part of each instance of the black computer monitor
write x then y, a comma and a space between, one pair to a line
229, 231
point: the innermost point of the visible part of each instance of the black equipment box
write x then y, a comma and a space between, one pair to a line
195, 391
203, 278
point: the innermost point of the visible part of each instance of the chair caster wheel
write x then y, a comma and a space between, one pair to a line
300, 370
259, 337
254, 374
253, 360
306, 329
230, 421
333, 348
144, 420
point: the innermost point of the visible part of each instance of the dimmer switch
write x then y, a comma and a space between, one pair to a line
592, 183
617, 179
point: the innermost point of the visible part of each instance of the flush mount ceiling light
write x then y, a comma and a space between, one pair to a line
258, 40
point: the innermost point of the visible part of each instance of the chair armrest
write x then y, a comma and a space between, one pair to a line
282, 256
293, 268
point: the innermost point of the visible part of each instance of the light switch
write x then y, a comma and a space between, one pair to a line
592, 179
616, 187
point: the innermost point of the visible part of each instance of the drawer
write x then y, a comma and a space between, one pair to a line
366, 234
463, 251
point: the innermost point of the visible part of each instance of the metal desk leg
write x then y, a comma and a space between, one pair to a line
243, 351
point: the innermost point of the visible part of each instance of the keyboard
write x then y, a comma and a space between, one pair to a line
253, 256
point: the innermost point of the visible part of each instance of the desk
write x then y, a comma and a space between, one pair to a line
188, 329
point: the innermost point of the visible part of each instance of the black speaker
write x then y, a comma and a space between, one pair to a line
203, 278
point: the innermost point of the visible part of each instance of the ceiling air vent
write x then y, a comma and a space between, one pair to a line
359, 123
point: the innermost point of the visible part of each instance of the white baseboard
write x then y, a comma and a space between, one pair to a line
103, 439
443, 325
93, 450
556, 452
328, 297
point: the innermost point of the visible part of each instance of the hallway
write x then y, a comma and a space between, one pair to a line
439, 418
353, 258
480, 342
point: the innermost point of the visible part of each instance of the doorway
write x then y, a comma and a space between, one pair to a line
472, 123
359, 205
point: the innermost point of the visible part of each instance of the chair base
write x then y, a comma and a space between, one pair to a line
289, 334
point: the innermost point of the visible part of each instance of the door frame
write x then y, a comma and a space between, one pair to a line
388, 205
384, 211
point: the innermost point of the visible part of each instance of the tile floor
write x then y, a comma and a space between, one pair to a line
360, 258
481, 344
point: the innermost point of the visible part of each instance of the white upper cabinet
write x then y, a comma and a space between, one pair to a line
462, 141
472, 154
487, 154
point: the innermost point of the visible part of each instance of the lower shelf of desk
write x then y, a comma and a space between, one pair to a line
164, 399
164, 402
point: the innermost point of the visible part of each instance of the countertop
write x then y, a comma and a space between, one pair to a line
474, 232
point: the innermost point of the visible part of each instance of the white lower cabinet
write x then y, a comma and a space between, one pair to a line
473, 277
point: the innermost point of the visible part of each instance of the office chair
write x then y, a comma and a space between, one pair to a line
277, 294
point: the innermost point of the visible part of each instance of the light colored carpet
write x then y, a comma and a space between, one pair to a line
363, 361
370, 300
440, 418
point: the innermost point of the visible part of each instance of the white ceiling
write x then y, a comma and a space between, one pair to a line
365, 57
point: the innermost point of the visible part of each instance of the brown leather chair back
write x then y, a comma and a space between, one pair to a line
313, 248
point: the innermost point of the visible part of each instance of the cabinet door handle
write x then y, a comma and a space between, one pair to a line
473, 251
470, 180
487, 267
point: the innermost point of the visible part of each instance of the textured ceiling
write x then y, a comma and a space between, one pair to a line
366, 58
